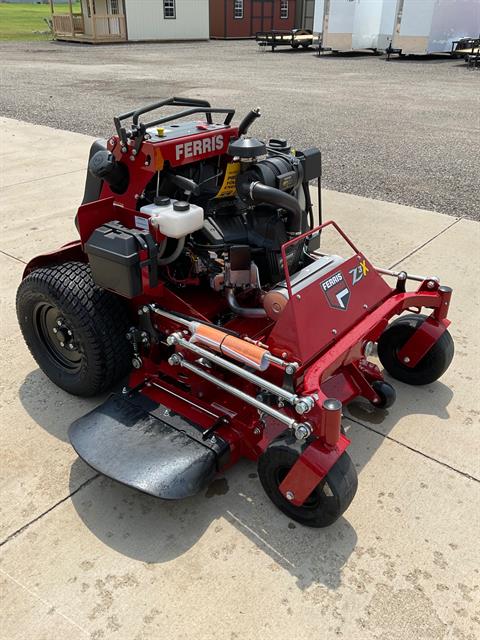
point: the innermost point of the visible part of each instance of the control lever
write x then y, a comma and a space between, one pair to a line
184, 183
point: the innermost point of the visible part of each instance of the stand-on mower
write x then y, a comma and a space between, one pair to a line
198, 273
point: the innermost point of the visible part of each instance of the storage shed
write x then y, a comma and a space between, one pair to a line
132, 20
244, 18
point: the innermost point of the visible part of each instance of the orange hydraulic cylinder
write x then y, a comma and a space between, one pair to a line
228, 345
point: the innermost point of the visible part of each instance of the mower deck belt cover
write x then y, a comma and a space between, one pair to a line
145, 446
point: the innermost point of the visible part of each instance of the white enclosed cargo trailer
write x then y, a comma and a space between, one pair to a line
431, 26
346, 25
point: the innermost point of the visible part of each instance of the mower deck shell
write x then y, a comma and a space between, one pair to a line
144, 445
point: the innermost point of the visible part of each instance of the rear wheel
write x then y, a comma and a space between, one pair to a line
74, 329
327, 501
433, 364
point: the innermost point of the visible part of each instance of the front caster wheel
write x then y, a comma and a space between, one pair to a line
386, 393
327, 501
433, 364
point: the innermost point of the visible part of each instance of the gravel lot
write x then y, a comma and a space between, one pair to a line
404, 131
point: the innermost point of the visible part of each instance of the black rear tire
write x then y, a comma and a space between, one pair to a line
74, 329
434, 363
327, 501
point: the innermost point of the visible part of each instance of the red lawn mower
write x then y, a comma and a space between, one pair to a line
198, 273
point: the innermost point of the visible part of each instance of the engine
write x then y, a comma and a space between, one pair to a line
220, 217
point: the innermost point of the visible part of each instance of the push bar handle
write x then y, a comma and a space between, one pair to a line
174, 102
188, 112
181, 102
197, 106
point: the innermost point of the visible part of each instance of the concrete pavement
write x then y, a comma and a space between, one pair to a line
82, 556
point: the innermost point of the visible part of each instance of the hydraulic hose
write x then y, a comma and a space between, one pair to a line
173, 256
260, 193
245, 312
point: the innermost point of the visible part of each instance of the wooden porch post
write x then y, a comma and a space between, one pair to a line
53, 20
94, 26
71, 17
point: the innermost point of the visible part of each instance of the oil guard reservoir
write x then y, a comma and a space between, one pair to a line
174, 218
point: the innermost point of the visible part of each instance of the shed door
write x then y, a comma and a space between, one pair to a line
262, 15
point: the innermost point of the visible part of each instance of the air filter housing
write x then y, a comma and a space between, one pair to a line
247, 149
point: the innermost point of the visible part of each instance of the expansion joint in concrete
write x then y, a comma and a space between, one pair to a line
421, 453
424, 244
54, 506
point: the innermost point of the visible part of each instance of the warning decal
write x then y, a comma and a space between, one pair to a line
229, 186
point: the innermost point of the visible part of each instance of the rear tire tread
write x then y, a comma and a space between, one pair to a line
98, 314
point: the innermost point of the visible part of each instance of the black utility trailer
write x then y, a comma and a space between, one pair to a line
294, 38
468, 49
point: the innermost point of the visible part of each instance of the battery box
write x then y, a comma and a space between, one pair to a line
117, 255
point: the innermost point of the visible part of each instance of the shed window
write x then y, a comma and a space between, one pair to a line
114, 8
169, 10
284, 9
238, 9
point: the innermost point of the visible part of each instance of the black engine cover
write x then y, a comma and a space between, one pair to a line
261, 228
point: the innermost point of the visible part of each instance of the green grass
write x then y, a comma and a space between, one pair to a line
26, 21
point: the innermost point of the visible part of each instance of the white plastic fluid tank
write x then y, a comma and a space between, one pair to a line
174, 218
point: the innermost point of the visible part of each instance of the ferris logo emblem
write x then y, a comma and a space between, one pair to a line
336, 291
198, 147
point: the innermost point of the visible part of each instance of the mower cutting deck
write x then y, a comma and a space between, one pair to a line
198, 275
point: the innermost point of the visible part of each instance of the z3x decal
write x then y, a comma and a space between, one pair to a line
358, 273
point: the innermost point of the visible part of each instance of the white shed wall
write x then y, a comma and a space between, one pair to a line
145, 20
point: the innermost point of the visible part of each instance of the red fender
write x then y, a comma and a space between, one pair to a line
418, 345
310, 469
71, 251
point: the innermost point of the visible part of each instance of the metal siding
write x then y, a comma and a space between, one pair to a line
217, 18
356, 24
318, 16
373, 23
341, 16
430, 26
145, 20
308, 14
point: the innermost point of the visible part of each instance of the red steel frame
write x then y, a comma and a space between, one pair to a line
331, 362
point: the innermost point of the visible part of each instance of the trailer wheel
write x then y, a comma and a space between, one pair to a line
74, 329
431, 366
295, 45
327, 501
